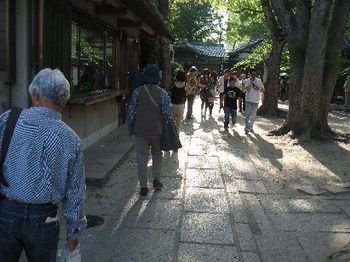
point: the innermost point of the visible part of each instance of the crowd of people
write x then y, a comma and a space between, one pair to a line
151, 105
235, 92
43, 165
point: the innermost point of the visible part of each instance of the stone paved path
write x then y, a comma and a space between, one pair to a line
218, 204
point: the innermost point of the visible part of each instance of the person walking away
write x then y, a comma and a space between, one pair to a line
178, 98
347, 91
150, 106
43, 167
231, 94
204, 89
223, 84
191, 89
254, 87
241, 101
213, 86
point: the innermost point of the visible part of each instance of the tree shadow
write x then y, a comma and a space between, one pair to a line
331, 155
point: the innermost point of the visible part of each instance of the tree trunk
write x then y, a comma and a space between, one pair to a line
335, 39
307, 42
270, 102
269, 106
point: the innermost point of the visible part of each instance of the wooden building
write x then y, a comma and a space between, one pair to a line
201, 55
93, 42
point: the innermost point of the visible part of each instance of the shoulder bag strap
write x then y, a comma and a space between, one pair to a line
10, 127
151, 97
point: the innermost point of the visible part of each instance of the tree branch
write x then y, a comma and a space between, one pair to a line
249, 10
284, 10
272, 22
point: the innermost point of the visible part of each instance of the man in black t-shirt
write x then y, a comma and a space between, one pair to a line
230, 96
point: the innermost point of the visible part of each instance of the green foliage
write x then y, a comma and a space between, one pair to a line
175, 66
194, 20
245, 20
259, 55
86, 49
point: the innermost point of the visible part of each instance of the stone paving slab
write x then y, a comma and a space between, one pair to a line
250, 257
207, 150
111, 150
295, 205
319, 247
207, 253
245, 237
206, 228
237, 208
135, 244
154, 213
311, 222
257, 218
206, 200
172, 188
276, 247
203, 162
207, 178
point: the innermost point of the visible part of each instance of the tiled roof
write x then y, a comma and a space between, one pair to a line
202, 49
249, 45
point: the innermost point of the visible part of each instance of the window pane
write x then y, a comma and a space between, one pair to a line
91, 60
109, 59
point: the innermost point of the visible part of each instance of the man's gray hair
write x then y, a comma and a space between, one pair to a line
51, 85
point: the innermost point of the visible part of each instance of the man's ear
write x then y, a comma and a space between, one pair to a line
35, 98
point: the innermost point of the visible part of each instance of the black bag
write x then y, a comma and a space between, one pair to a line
169, 139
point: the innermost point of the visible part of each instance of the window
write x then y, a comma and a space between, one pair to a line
93, 59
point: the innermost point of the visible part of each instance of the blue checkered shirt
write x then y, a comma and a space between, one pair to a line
44, 164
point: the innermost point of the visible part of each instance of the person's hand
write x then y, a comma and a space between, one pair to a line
72, 244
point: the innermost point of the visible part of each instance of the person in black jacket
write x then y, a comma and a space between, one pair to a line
230, 96
178, 98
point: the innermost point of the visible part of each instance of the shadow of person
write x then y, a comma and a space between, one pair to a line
267, 150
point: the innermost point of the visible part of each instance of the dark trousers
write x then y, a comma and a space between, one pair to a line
229, 111
32, 228
190, 100
142, 146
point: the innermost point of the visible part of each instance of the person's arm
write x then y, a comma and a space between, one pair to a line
261, 86
240, 93
132, 110
165, 104
74, 200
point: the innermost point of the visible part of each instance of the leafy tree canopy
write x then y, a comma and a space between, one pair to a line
194, 20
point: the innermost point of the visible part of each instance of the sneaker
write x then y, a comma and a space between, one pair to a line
157, 185
143, 191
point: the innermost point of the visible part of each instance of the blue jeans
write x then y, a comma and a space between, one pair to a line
250, 114
24, 226
230, 112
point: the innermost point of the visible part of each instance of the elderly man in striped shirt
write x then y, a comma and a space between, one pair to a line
43, 166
